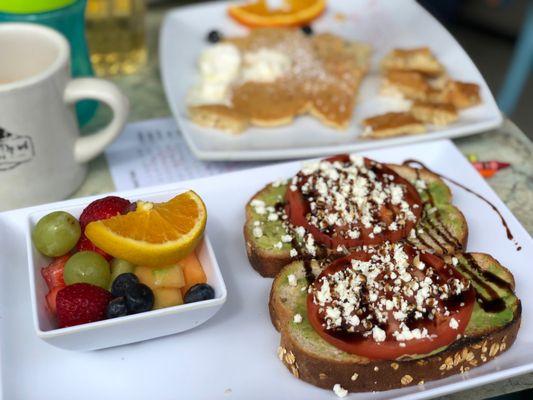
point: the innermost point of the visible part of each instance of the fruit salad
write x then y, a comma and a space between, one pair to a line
121, 258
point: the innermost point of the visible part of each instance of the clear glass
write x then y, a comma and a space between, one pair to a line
116, 35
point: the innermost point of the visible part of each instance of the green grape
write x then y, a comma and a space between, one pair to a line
87, 267
118, 267
56, 234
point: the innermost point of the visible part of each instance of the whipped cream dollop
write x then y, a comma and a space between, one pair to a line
219, 66
223, 64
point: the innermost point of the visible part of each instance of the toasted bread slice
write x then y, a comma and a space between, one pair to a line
420, 59
392, 124
312, 359
442, 229
435, 114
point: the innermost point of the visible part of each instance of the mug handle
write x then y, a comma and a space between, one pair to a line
88, 147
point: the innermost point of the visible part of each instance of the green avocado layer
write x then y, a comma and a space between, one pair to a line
481, 322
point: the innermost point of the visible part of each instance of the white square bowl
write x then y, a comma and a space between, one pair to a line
122, 330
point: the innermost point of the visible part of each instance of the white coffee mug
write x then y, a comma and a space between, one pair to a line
42, 156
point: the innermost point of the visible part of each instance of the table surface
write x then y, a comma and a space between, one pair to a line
507, 143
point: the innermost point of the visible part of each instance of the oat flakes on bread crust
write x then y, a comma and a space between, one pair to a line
308, 357
392, 124
419, 59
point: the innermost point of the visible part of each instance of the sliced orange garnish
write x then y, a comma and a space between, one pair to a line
293, 13
155, 234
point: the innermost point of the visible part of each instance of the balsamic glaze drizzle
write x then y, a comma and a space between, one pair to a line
411, 163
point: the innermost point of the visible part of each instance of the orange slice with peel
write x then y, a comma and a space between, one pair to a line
293, 13
155, 234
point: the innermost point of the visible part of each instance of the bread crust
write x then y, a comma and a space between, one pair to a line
380, 375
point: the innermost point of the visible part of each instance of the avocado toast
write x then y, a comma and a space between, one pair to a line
373, 287
442, 227
310, 358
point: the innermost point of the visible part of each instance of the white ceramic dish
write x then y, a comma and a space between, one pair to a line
233, 355
384, 24
129, 329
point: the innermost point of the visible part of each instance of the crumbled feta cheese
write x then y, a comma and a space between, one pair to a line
273, 217
378, 334
339, 390
297, 318
292, 280
278, 245
257, 232
454, 324
293, 253
286, 238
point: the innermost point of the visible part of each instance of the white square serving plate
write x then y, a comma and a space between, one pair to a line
384, 24
233, 354
123, 330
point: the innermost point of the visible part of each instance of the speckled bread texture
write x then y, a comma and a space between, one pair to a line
430, 235
308, 357
323, 80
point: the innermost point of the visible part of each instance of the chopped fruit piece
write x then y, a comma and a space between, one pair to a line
87, 267
56, 234
84, 244
139, 298
155, 233
81, 303
53, 273
123, 283
117, 308
199, 292
119, 267
105, 208
51, 299
161, 277
193, 271
167, 297
292, 13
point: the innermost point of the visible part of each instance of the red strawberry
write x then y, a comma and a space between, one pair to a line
84, 244
81, 303
53, 273
51, 299
103, 209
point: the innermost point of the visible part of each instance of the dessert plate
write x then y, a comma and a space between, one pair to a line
381, 23
233, 355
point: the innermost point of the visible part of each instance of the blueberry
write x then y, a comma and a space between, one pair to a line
306, 29
199, 292
214, 36
139, 298
122, 283
117, 308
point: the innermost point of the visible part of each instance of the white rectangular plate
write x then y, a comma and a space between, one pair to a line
384, 24
233, 355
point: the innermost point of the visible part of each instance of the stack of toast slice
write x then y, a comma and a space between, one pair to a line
441, 230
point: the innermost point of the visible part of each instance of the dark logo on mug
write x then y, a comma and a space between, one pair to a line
14, 150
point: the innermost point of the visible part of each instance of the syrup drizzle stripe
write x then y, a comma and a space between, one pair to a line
510, 236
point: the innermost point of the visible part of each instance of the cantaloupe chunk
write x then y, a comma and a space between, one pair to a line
193, 271
167, 297
168, 277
